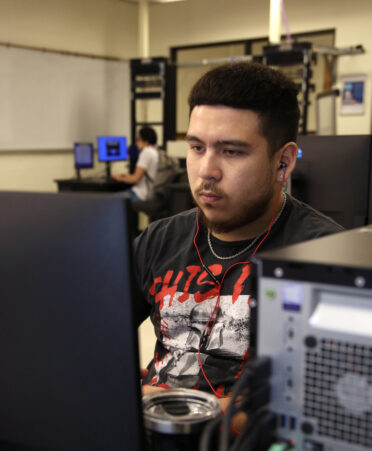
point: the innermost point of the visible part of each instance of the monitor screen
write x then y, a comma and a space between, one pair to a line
83, 155
333, 175
69, 376
112, 148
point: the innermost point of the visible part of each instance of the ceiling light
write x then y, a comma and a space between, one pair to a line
155, 1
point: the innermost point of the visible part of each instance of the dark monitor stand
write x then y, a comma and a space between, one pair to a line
69, 376
108, 170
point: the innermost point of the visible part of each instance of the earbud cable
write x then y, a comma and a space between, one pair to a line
215, 311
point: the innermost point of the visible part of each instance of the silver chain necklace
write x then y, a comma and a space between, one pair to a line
251, 244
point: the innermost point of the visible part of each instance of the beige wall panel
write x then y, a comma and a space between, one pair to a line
101, 27
202, 21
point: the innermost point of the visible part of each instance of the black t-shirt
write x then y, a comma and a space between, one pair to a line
201, 314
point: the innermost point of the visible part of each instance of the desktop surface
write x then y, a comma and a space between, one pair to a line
95, 183
69, 374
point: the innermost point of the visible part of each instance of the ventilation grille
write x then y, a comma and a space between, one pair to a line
338, 391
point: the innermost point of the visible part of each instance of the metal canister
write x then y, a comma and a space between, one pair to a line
175, 418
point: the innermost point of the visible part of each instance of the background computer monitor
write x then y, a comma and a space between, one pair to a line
69, 376
112, 148
83, 153
333, 175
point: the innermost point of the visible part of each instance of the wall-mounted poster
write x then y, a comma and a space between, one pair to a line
353, 94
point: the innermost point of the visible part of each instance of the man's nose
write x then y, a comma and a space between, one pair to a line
209, 167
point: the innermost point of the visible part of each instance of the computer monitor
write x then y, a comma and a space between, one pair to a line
83, 153
112, 148
69, 376
333, 175
83, 156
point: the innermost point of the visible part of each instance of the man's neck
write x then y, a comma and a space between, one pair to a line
255, 228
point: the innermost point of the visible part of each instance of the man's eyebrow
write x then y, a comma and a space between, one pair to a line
233, 142
221, 142
193, 138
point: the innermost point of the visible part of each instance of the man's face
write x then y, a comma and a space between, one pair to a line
231, 176
141, 144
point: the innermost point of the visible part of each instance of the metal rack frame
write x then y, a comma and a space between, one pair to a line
156, 78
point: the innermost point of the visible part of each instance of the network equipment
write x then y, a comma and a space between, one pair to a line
111, 148
315, 323
333, 175
69, 376
83, 156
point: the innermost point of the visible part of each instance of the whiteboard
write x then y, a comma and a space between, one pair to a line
50, 100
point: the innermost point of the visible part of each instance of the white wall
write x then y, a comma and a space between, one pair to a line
109, 27
202, 21
98, 27
38, 170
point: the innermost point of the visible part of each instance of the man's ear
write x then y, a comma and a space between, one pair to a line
287, 160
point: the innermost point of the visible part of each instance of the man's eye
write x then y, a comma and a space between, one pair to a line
196, 148
232, 153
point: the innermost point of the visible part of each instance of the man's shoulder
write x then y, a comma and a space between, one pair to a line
149, 152
180, 221
305, 222
173, 229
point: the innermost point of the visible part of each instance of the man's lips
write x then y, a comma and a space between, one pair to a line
209, 196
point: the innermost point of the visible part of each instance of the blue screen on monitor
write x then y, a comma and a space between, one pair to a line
83, 155
112, 148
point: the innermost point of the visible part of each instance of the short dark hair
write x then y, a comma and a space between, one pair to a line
148, 134
256, 87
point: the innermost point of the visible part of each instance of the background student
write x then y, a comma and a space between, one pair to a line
146, 167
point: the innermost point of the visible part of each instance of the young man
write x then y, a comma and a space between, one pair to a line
193, 268
146, 167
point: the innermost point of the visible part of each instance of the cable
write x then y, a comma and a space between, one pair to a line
257, 435
215, 311
208, 432
257, 369
285, 21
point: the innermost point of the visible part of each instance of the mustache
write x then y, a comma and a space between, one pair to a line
210, 188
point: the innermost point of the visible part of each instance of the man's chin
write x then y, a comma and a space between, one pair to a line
214, 218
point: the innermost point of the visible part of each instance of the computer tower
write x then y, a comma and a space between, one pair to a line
314, 319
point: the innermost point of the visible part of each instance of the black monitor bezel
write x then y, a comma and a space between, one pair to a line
69, 346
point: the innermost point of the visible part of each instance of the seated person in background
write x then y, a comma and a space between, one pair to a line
193, 269
146, 167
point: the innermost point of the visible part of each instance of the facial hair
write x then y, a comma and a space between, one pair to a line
248, 213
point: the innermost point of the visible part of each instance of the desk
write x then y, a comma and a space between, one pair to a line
91, 184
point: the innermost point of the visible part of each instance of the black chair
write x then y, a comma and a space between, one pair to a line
167, 197
133, 157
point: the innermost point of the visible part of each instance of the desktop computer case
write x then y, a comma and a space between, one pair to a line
314, 320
